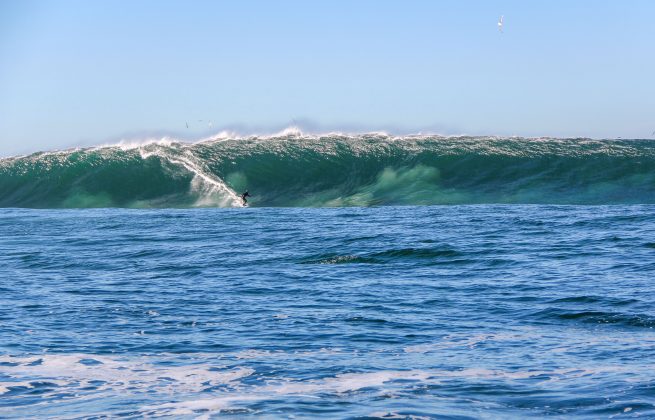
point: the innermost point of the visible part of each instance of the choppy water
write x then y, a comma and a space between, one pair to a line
490, 311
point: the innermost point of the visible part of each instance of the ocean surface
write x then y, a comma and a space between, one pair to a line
472, 311
371, 277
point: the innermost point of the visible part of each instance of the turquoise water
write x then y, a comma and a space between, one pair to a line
464, 311
335, 171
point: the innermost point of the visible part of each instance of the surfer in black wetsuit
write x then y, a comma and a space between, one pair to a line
243, 197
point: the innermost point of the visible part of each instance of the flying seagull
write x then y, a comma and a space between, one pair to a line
500, 24
187, 124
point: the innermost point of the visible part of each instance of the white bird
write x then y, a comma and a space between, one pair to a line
500, 24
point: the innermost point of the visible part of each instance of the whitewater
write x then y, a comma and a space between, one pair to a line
334, 170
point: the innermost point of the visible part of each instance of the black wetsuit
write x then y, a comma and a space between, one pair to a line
243, 197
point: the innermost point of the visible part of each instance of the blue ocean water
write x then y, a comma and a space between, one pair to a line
465, 311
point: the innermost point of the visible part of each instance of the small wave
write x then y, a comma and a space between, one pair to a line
598, 317
596, 299
417, 253
386, 256
365, 320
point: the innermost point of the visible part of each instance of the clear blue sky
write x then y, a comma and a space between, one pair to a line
88, 72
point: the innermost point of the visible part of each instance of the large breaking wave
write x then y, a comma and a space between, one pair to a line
335, 170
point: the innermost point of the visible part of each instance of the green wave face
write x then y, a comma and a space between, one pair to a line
336, 171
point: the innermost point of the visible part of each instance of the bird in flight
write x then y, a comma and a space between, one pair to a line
500, 24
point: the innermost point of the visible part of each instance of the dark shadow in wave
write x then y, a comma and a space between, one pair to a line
597, 317
596, 299
392, 255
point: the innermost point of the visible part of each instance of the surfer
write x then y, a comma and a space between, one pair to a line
243, 197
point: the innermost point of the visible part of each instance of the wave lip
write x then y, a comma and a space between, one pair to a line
293, 169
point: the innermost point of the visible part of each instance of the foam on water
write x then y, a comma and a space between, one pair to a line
78, 371
199, 386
